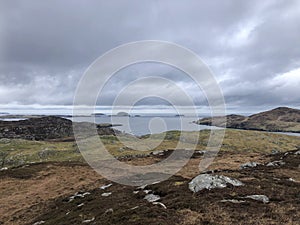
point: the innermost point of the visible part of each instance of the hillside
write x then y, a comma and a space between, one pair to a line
282, 119
46, 128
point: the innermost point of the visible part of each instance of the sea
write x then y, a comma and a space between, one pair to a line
142, 125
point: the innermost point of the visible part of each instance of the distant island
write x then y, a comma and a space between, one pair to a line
98, 114
281, 119
122, 114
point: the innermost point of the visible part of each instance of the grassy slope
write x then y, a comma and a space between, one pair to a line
22, 152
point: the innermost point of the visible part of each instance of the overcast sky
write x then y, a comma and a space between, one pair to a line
252, 47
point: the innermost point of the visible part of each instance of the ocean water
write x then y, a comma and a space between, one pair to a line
148, 124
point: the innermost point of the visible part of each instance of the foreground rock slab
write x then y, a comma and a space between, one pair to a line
207, 181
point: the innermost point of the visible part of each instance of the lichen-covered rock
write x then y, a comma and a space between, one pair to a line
207, 181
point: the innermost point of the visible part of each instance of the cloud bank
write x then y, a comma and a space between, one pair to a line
252, 47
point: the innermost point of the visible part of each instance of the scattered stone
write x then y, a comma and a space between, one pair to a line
40, 222
5, 140
160, 153
147, 191
159, 203
275, 152
156, 182
109, 211
233, 201
152, 198
106, 194
89, 221
276, 163
80, 205
3, 168
201, 152
249, 165
105, 186
297, 153
136, 207
261, 198
78, 195
142, 187
207, 181
136, 192
292, 180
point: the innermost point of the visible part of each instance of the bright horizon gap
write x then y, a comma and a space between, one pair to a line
36, 109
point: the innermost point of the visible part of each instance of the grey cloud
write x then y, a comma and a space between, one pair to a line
46, 45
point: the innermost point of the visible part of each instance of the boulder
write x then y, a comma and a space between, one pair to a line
208, 181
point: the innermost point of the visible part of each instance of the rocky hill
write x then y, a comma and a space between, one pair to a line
282, 119
45, 128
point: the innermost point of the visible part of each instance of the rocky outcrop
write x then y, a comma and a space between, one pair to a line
280, 119
46, 128
207, 181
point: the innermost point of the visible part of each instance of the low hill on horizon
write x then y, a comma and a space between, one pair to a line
48, 128
281, 119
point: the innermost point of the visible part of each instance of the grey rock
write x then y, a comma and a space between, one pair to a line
106, 194
261, 198
147, 191
4, 140
39, 223
161, 153
200, 152
297, 153
275, 152
78, 195
109, 211
89, 221
80, 205
276, 163
233, 201
249, 165
142, 187
105, 186
152, 198
161, 204
207, 181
